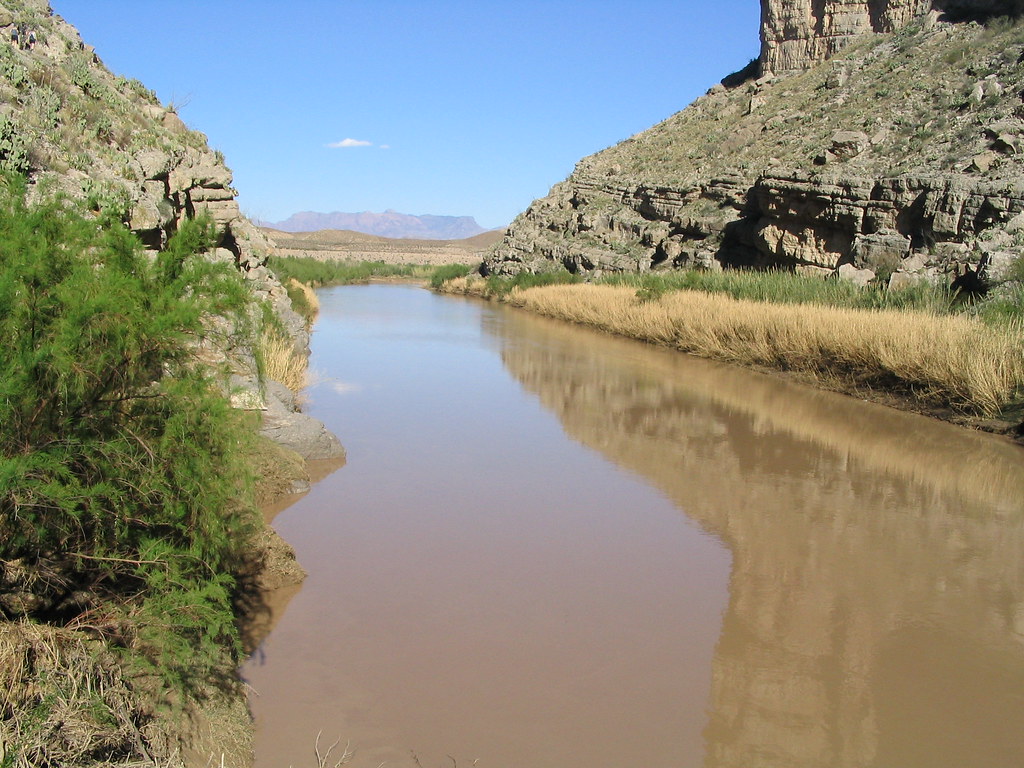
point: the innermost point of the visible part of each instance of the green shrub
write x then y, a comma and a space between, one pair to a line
11, 69
300, 300
122, 470
447, 272
13, 147
501, 286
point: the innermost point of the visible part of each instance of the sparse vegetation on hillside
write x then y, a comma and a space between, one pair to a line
123, 480
910, 91
72, 114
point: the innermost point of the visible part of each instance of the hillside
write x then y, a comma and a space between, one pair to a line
885, 146
387, 224
140, 321
349, 245
71, 125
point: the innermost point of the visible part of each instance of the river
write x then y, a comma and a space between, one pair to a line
555, 548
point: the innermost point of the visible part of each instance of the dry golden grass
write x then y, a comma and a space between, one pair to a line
310, 301
282, 361
471, 285
64, 701
951, 360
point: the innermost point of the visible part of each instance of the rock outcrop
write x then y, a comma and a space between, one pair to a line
71, 125
898, 158
798, 33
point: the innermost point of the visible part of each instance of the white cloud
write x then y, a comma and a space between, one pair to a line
385, 146
346, 143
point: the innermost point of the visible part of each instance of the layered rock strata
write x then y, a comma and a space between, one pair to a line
900, 157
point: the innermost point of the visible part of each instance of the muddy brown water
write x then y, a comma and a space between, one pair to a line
554, 548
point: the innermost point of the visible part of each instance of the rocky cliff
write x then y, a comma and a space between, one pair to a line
874, 154
798, 33
69, 123
72, 126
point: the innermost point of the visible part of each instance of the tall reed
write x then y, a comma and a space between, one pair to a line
282, 361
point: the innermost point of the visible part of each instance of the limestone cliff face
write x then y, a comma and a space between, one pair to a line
798, 33
901, 156
68, 123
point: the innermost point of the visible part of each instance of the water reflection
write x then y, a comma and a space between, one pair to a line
876, 612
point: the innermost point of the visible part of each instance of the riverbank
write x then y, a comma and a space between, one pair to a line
96, 700
132, 543
220, 731
952, 368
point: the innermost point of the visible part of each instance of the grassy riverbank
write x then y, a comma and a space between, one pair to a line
918, 345
127, 486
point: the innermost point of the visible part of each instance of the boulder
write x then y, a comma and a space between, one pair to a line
145, 216
298, 431
187, 176
998, 263
854, 275
821, 248
1006, 136
153, 164
1016, 224
223, 212
982, 163
916, 263
245, 394
849, 144
174, 124
899, 280
211, 194
881, 251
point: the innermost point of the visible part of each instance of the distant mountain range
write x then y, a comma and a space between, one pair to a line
388, 224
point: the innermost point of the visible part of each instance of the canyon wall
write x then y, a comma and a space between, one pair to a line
798, 33
878, 156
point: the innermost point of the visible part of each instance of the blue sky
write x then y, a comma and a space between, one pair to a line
453, 107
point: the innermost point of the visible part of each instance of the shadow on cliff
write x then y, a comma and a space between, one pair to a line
978, 10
